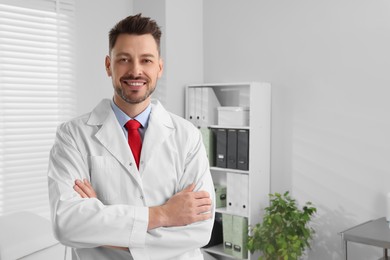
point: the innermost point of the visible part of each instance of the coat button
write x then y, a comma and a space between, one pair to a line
131, 164
141, 197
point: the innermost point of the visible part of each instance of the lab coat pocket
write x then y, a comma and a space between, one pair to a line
106, 178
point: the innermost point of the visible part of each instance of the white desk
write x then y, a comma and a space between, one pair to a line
373, 232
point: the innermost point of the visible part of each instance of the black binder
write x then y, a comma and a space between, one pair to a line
243, 149
220, 157
216, 235
232, 149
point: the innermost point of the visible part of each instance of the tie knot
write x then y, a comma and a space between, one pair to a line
132, 124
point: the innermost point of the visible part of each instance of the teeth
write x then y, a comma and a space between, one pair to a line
135, 83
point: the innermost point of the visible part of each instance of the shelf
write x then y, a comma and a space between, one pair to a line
228, 127
218, 250
219, 169
248, 189
225, 211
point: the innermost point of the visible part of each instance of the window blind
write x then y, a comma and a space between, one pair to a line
36, 94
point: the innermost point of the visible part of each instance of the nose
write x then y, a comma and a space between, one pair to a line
135, 69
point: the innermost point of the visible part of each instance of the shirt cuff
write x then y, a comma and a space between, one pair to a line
138, 234
140, 227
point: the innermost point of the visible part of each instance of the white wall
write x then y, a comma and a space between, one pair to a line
328, 62
94, 19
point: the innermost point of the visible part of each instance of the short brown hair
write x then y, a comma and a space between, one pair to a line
135, 24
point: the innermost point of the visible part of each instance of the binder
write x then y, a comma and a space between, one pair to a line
237, 193
221, 148
209, 104
209, 143
227, 229
240, 238
198, 106
191, 105
232, 190
243, 149
220, 196
232, 149
242, 206
217, 232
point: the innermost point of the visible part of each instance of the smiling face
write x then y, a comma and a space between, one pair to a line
135, 66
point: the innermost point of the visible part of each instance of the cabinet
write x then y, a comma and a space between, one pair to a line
240, 111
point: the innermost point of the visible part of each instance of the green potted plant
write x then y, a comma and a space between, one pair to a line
284, 233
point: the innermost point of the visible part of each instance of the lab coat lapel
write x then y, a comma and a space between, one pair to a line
111, 136
159, 129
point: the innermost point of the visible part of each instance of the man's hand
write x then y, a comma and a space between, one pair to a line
84, 188
183, 208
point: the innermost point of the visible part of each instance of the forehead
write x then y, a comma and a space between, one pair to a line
135, 44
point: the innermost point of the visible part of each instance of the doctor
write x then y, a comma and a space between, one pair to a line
148, 191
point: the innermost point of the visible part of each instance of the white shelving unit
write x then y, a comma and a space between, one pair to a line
257, 97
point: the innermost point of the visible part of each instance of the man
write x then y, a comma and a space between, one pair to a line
107, 196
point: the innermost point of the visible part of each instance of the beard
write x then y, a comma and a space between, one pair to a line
132, 97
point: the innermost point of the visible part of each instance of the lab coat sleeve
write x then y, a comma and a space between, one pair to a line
87, 223
168, 242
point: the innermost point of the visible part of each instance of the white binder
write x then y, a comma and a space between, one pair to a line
209, 106
191, 105
198, 106
237, 193
231, 193
243, 196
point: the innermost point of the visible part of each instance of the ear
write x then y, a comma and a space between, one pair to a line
161, 66
108, 66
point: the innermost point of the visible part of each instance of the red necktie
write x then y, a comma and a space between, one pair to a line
134, 139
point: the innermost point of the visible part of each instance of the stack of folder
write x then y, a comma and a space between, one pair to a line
235, 235
232, 148
202, 106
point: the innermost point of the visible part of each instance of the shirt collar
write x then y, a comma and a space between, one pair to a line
122, 117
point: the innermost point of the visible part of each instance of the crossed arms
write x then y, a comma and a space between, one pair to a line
183, 208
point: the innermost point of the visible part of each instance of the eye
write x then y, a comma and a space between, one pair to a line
147, 61
124, 60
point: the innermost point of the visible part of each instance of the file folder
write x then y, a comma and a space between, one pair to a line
221, 148
237, 193
232, 149
240, 238
231, 192
220, 196
227, 227
243, 149
198, 106
217, 232
209, 143
209, 104
191, 105
242, 194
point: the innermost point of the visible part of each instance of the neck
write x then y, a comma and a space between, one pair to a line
132, 110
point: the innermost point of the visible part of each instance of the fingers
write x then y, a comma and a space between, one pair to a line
205, 216
201, 194
203, 202
84, 188
80, 191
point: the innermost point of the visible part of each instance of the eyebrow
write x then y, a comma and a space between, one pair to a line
146, 55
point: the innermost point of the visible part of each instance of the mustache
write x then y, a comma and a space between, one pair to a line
133, 78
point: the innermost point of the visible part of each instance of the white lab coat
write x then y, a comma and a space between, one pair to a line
94, 147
